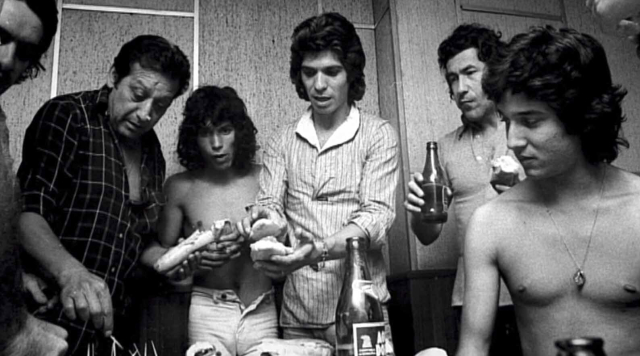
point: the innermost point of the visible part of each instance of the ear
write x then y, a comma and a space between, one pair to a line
112, 77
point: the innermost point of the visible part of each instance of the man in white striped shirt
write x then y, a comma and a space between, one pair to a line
332, 175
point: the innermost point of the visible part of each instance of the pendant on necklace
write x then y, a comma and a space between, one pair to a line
579, 278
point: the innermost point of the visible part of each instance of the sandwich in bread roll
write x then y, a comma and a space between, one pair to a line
505, 171
201, 348
198, 240
268, 246
263, 228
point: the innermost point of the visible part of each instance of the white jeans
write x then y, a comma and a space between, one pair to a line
220, 318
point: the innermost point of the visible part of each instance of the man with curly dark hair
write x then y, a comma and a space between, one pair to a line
330, 175
91, 180
232, 304
467, 155
565, 240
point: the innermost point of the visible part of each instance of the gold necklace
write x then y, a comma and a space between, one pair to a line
579, 277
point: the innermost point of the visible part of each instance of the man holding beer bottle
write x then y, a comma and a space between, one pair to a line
330, 175
466, 156
565, 240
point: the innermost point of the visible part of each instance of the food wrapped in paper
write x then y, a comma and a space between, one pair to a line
505, 171
202, 349
296, 347
199, 239
265, 227
268, 246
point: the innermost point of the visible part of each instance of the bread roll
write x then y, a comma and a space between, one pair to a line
264, 227
202, 349
198, 240
268, 246
505, 171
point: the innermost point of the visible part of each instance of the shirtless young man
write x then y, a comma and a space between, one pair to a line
567, 241
232, 304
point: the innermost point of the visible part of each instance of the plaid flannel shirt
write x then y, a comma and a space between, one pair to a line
73, 175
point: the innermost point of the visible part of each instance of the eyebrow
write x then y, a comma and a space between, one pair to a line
530, 112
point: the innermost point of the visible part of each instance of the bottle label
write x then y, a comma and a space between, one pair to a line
369, 339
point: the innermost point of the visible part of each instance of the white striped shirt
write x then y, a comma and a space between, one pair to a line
352, 179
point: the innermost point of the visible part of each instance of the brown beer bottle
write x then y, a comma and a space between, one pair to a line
581, 346
359, 318
434, 209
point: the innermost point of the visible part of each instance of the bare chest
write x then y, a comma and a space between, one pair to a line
209, 203
541, 267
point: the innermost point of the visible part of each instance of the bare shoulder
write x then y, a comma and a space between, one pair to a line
178, 185
622, 189
500, 216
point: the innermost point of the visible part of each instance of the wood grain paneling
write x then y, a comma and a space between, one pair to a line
398, 246
549, 7
380, 7
89, 43
429, 114
246, 44
21, 102
508, 25
369, 102
167, 5
625, 70
356, 11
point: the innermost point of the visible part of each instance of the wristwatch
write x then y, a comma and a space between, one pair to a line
323, 255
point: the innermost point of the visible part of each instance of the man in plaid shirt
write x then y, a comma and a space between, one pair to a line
91, 180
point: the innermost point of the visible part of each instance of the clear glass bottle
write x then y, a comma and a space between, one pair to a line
582, 346
359, 318
434, 209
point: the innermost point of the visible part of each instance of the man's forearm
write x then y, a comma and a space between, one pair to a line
39, 241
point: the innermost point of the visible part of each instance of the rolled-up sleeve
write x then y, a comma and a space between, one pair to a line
378, 186
273, 176
50, 144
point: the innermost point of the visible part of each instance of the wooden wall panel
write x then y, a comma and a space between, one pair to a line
167, 5
429, 113
380, 7
356, 11
369, 102
508, 25
89, 43
549, 7
20, 104
246, 44
625, 70
398, 247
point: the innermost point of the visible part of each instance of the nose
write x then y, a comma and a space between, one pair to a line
461, 87
320, 82
216, 141
515, 138
144, 110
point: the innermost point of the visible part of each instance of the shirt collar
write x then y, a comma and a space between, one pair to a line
342, 134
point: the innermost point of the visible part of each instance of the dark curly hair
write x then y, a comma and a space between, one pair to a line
471, 35
157, 54
329, 31
211, 106
568, 71
47, 12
